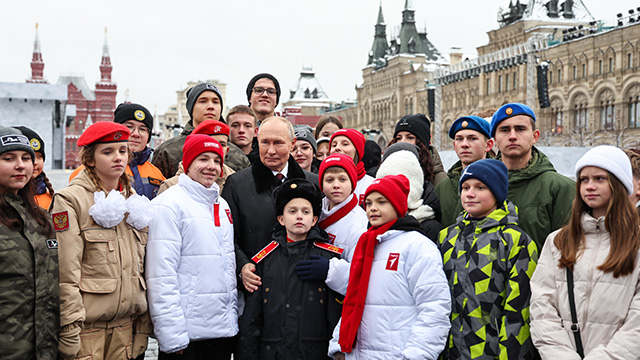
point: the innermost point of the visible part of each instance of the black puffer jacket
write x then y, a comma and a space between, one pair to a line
249, 194
431, 227
288, 318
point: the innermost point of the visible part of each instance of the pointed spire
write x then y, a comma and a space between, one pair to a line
380, 16
105, 65
37, 64
105, 47
408, 5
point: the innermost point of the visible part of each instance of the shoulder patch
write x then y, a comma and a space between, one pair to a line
155, 182
60, 221
326, 246
264, 252
52, 243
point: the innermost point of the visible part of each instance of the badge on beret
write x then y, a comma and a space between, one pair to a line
117, 135
139, 115
217, 129
464, 124
60, 221
509, 111
35, 144
293, 186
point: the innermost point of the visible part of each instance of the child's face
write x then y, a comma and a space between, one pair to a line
110, 160
342, 144
595, 190
336, 185
379, 209
205, 169
323, 151
297, 218
477, 199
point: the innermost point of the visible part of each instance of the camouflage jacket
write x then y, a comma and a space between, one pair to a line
235, 159
488, 264
29, 314
169, 154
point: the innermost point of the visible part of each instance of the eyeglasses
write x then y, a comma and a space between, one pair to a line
142, 130
261, 90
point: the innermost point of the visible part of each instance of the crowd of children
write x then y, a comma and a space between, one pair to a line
413, 264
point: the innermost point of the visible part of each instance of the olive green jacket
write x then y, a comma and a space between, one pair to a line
449, 195
543, 197
30, 306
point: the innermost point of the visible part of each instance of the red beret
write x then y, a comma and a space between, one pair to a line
342, 161
197, 144
356, 138
212, 127
395, 188
104, 132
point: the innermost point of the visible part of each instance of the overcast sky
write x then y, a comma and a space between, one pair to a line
157, 46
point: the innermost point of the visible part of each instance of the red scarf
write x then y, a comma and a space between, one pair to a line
359, 274
339, 214
361, 170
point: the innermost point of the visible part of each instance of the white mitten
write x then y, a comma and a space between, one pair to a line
108, 211
140, 213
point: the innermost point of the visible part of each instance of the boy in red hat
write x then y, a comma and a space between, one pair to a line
341, 218
351, 143
288, 318
404, 314
191, 279
220, 132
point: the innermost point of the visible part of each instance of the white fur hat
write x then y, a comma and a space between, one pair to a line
609, 158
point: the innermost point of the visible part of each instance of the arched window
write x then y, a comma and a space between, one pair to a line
580, 114
557, 125
633, 106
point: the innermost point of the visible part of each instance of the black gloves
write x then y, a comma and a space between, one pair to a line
315, 269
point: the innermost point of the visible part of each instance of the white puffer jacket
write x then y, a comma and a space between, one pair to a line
190, 267
608, 308
406, 312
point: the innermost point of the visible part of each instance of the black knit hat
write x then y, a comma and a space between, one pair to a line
125, 112
297, 188
417, 124
34, 140
194, 93
12, 139
253, 81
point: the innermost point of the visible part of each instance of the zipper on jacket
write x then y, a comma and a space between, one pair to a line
589, 279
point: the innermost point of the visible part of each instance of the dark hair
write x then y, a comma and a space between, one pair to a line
8, 218
424, 157
622, 223
47, 183
324, 120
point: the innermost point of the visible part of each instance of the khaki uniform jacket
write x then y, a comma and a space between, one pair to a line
28, 289
101, 270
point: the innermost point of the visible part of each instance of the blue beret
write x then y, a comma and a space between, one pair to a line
491, 172
470, 123
510, 110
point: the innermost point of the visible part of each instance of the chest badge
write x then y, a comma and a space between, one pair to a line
52, 243
392, 262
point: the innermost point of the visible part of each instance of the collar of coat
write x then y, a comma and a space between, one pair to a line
264, 178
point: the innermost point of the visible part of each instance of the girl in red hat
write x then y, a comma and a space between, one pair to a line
101, 226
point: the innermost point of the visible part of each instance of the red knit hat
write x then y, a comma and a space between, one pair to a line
104, 132
197, 144
395, 188
356, 138
339, 160
212, 127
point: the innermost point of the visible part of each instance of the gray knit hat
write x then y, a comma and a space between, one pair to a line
194, 93
399, 146
306, 135
12, 140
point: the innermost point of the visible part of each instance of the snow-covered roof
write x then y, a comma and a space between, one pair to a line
308, 87
33, 91
537, 10
80, 83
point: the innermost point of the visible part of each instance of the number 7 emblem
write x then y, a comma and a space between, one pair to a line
392, 262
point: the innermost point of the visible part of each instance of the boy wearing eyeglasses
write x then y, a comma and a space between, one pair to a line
263, 94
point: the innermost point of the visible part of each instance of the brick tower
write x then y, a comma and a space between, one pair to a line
37, 65
106, 89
